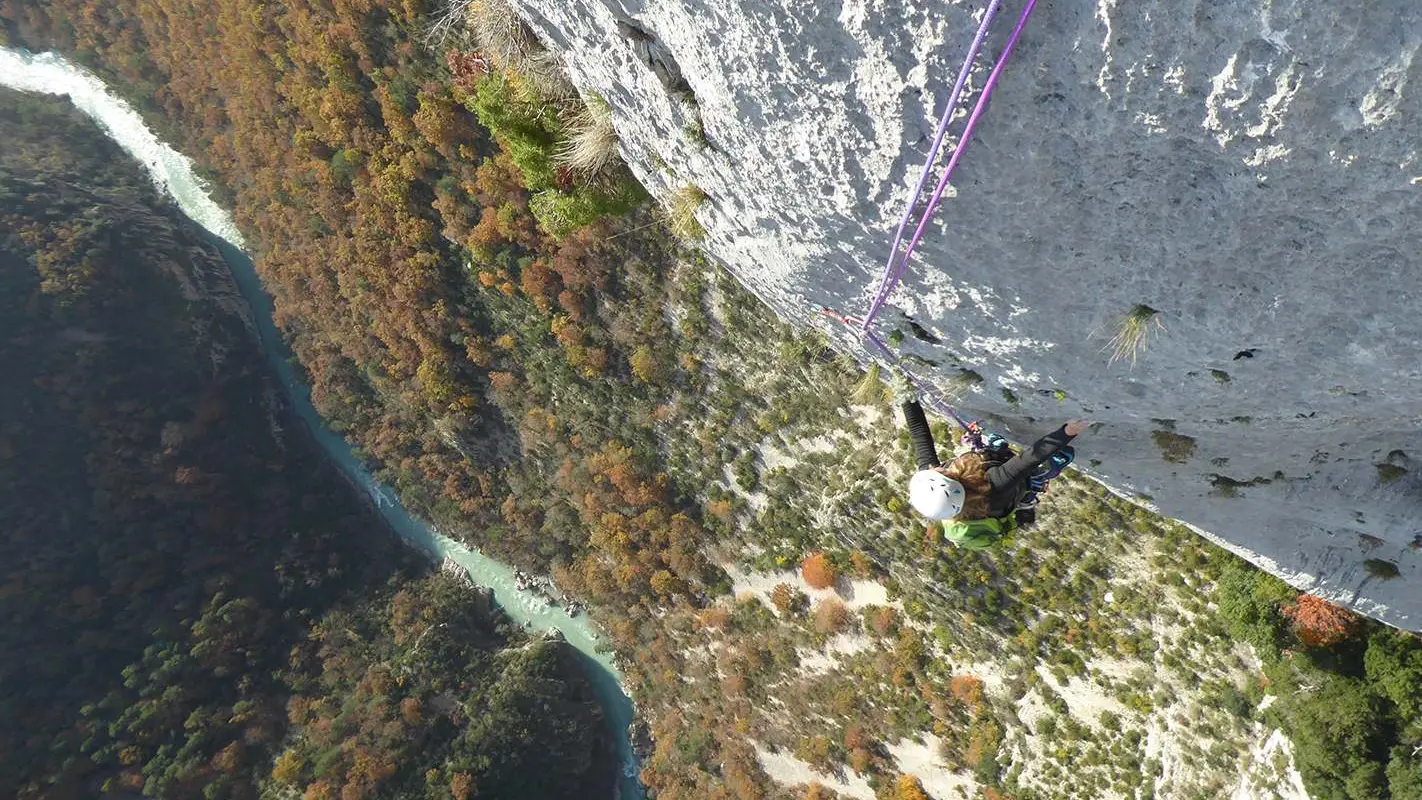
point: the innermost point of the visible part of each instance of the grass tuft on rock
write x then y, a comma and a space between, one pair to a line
680, 208
1132, 333
870, 390
590, 148
511, 45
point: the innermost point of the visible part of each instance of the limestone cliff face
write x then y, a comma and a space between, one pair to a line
1249, 169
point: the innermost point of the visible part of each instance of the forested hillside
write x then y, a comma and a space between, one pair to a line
193, 602
580, 394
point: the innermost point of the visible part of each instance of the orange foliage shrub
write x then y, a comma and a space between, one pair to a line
907, 787
575, 260
817, 572
461, 785
787, 599
573, 303
715, 617
229, 758
187, 476
855, 738
720, 509
467, 68
540, 284
1319, 623
967, 690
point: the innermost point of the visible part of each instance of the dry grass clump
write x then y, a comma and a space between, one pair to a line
543, 77
830, 616
1132, 333
508, 43
871, 389
680, 208
590, 148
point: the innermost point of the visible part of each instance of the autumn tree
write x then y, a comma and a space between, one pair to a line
787, 599
860, 746
817, 572
907, 787
967, 690
1319, 623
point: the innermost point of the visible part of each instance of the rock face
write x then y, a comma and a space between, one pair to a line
1248, 169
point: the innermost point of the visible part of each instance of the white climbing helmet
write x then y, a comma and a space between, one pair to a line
935, 495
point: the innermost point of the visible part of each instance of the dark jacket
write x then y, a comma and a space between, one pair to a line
1007, 479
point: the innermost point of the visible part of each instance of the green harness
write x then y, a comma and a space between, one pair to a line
980, 534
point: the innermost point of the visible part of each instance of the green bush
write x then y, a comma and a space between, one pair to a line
526, 131
1393, 664
1335, 728
532, 136
560, 213
1404, 773
1249, 601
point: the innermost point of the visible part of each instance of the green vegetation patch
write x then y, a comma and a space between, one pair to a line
1177, 448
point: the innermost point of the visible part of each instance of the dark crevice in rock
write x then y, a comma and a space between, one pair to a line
968, 377
922, 334
657, 58
1245, 354
1225, 486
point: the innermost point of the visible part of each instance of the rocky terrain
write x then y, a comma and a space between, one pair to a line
1238, 179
